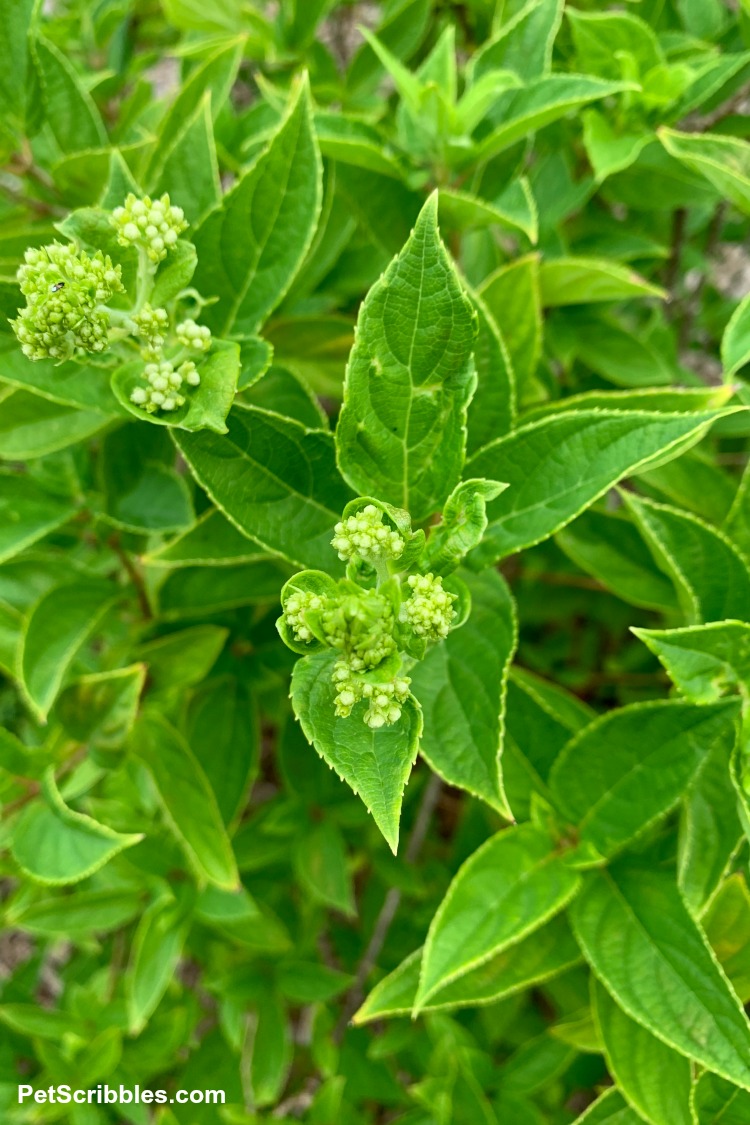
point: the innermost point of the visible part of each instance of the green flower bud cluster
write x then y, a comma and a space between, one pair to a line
297, 605
429, 610
152, 225
385, 698
361, 626
164, 384
64, 289
367, 537
195, 336
152, 325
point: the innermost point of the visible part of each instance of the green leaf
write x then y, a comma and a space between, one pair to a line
608, 547
284, 393
292, 495
723, 161
541, 102
32, 426
645, 947
461, 688
655, 1079
58, 626
196, 592
206, 407
557, 467
711, 831
155, 952
512, 297
251, 247
492, 410
16, 65
669, 400
410, 378
211, 541
600, 37
609, 1109
578, 281
100, 708
524, 42
610, 151
190, 171
183, 658
38, 1022
55, 845
735, 343
174, 274
321, 867
550, 950
70, 110
463, 523
27, 514
80, 914
69, 384
142, 491
187, 799
508, 888
718, 1102
352, 141
711, 575
460, 210
727, 926
375, 763
654, 749
223, 732
703, 661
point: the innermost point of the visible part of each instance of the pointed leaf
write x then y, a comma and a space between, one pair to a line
401, 434
375, 763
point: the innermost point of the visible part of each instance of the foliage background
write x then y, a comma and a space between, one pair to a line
594, 181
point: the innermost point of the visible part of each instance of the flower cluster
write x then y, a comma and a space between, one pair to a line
164, 383
295, 609
367, 537
429, 610
64, 289
385, 698
361, 626
152, 225
152, 325
194, 336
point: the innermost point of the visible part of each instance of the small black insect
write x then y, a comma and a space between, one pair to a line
57, 287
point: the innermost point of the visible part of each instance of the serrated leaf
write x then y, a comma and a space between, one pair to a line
508, 888
375, 763
79, 914
251, 247
512, 297
655, 1079
727, 926
653, 751
600, 36
461, 688
59, 624
492, 410
27, 514
711, 575
523, 42
401, 434
723, 161
703, 661
189, 172
557, 467
100, 708
223, 732
292, 495
187, 798
321, 867
549, 951
69, 384
32, 426
198, 592
643, 944
55, 845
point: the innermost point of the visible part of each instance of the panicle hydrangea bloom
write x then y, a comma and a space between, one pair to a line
366, 536
361, 626
429, 610
195, 336
64, 289
152, 325
385, 699
152, 224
